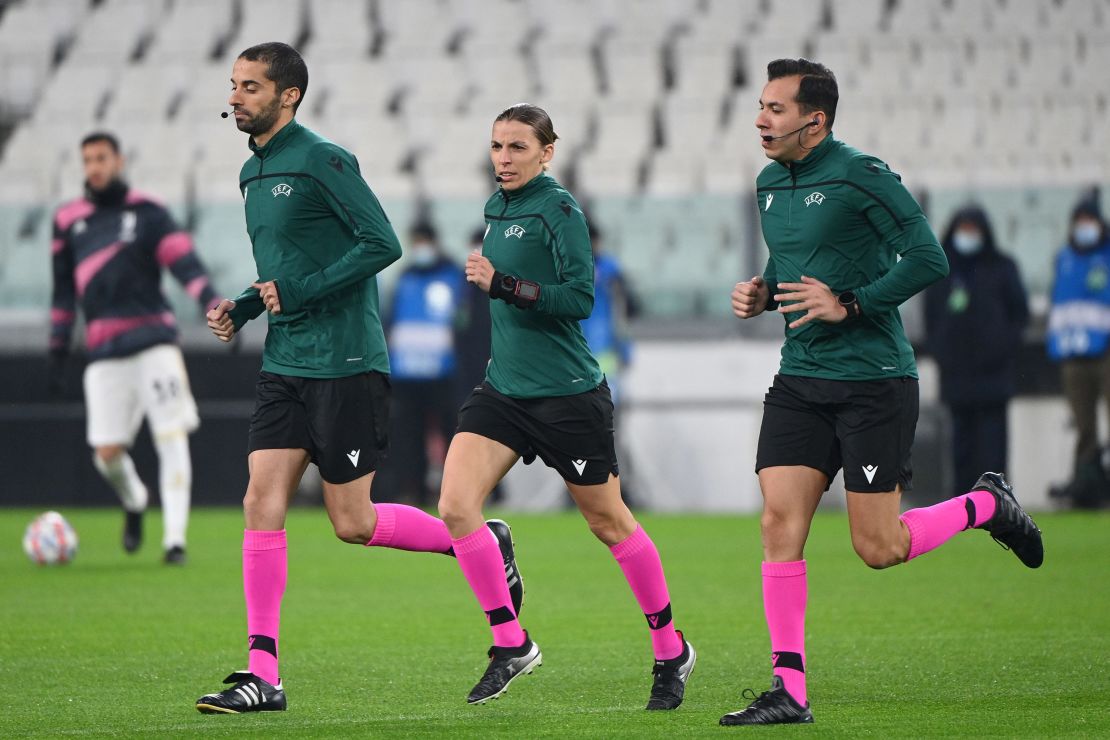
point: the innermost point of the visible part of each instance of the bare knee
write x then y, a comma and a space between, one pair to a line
462, 514
605, 529
263, 509
878, 554
780, 531
109, 453
354, 533
611, 527
252, 501
773, 523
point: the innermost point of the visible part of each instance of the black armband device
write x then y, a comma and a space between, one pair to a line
513, 290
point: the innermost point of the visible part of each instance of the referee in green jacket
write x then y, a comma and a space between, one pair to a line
319, 238
544, 396
848, 244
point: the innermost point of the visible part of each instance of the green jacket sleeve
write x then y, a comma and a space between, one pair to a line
772, 281
248, 305
897, 217
573, 296
341, 186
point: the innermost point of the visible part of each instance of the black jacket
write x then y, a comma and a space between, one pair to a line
974, 319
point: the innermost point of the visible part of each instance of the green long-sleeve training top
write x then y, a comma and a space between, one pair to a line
844, 218
538, 233
318, 230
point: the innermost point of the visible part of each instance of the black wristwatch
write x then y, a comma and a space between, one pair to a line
851, 305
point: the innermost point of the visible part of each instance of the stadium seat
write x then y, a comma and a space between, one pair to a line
271, 20
340, 32
649, 105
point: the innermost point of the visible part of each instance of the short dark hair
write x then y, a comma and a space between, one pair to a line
534, 116
424, 229
101, 136
284, 66
817, 89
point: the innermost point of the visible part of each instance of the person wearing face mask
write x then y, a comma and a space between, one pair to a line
422, 355
974, 319
1078, 339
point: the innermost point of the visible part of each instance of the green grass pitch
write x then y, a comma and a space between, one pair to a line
963, 642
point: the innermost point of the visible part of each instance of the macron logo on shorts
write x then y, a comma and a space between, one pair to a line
869, 471
353, 457
579, 465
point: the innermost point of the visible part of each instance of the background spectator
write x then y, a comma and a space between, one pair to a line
1078, 338
422, 358
974, 321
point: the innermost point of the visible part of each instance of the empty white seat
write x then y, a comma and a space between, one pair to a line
633, 72
566, 73
192, 31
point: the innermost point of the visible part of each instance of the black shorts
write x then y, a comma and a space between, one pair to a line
864, 426
573, 434
342, 422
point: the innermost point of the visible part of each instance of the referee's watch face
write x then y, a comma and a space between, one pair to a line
517, 154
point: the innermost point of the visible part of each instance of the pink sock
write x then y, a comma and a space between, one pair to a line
264, 572
480, 559
408, 528
932, 526
639, 561
784, 604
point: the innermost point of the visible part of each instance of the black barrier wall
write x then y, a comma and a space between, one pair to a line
47, 463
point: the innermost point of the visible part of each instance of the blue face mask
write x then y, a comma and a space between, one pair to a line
967, 243
1086, 233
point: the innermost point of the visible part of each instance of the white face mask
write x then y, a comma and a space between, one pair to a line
967, 243
422, 255
1086, 233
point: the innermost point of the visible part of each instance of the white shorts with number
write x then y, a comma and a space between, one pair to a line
119, 392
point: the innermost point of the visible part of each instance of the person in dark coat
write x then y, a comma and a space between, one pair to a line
974, 320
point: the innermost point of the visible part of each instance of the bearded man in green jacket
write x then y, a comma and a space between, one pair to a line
319, 238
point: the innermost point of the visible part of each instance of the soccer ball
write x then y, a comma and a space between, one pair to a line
50, 540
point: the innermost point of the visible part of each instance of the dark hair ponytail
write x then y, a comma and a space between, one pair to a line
533, 116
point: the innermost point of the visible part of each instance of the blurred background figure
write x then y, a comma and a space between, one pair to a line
606, 329
420, 327
108, 251
974, 320
607, 335
1078, 338
473, 332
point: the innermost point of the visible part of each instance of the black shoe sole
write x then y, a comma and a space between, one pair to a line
536, 663
212, 709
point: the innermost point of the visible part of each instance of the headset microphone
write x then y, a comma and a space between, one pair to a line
497, 177
225, 114
768, 137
